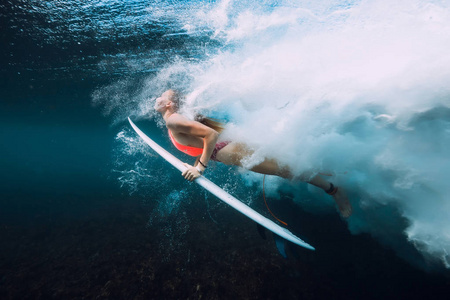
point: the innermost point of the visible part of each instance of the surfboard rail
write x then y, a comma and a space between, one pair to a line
223, 195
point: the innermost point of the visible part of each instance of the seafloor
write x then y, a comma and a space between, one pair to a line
112, 254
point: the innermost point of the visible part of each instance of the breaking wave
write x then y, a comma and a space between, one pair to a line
359, 90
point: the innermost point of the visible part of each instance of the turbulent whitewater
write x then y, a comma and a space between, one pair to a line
358, 89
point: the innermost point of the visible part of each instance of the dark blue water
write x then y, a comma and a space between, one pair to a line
77, 223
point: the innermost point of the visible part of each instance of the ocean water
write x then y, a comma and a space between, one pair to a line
356, 89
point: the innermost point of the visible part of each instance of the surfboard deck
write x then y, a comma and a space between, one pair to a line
223, 195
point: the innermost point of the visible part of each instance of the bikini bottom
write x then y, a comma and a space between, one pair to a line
217, 148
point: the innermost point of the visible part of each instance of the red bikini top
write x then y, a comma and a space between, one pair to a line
192, 151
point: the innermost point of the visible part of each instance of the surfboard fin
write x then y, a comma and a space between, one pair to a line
261, 231
281, 245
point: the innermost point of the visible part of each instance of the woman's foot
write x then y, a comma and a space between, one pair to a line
344, 206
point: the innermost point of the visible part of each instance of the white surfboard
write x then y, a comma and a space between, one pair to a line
224, 196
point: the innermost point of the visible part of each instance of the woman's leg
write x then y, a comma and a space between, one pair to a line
233, 153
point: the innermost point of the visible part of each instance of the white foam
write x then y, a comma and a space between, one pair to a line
341, 90
359, 90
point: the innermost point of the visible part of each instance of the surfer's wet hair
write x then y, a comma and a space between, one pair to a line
176, 98
210, 122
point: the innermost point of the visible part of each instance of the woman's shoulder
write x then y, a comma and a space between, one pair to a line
176, 120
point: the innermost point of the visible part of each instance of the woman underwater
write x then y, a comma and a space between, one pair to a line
197, 139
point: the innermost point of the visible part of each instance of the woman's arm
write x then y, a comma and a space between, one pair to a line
178, 123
